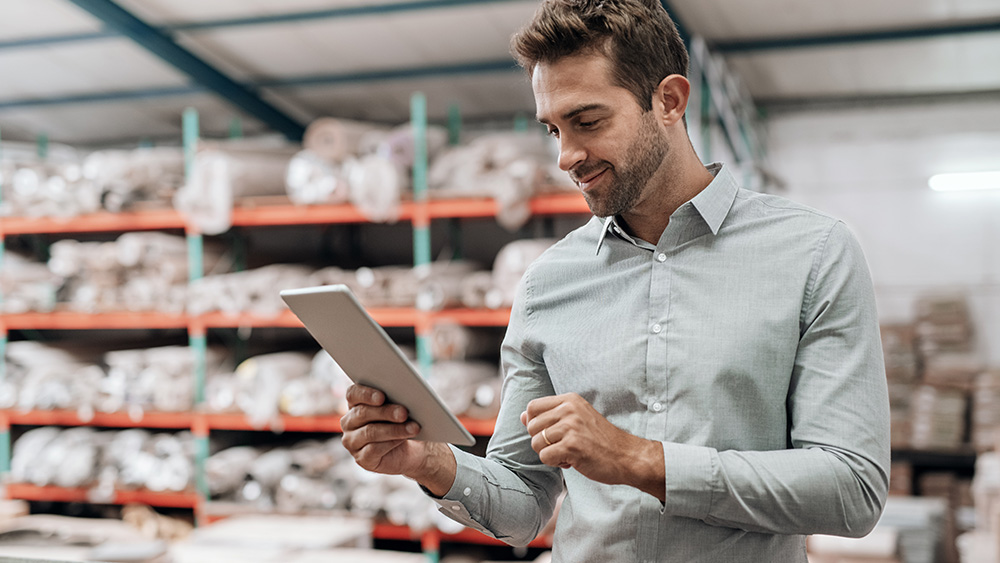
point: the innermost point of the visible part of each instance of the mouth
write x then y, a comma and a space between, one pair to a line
588, 182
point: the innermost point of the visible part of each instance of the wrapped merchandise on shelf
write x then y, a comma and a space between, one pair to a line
323, 392
440, 284
248, 292
938, 418
943, 324
27, 285
898, 347
952, 369
136, 458
125, 178
157, 379
900, 411
509, 267
468, 388
264, 386
153, 525
140, 271
311, 180
901, 478
223, 174
49, 190
46, 377
509, 167
986, 497
475, 287
399, 500
335, 140
986, 411
453, 341
920, 525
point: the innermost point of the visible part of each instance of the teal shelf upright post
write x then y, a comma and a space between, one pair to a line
197, 339
454, 138
421, 217
42, 146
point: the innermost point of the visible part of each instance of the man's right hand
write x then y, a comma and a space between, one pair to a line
378, 435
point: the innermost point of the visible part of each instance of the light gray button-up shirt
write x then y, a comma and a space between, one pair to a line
745, 340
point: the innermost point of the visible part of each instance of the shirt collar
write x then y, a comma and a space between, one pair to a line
712, 204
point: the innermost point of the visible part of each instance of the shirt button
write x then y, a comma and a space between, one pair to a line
657, 329
467, 491
456, 507
657, 406
662, 257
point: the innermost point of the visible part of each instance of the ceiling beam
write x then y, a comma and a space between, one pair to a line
482, 67
740, 47
846, 101
270, 19
161, 45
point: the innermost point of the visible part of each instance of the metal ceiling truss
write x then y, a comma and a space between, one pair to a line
155, 41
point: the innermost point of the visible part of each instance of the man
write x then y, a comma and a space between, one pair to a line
699, 365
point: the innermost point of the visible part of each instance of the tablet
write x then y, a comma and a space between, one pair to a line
335, 318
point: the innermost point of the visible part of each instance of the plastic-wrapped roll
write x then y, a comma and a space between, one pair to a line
27, 285
311, 179
509, 267
27, 450
296, 492
457, 382
440, 284
307, 397
474, 289
377, 185
335, 140
398, 144
326, 369
227, 470
220, 177
261, 380
452, 341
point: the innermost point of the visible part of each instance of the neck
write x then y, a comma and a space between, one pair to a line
666, 192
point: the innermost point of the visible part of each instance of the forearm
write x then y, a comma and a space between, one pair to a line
437, 472
797, 491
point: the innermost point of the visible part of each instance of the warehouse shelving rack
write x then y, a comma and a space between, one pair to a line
421, 211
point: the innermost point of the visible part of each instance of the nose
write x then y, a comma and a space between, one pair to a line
571, 153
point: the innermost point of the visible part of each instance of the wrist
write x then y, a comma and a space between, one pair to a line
436, 471
648, 469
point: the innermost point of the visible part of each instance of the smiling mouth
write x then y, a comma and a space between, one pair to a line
587, 183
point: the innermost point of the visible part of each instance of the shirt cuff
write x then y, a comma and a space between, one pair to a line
466, 493
691, 475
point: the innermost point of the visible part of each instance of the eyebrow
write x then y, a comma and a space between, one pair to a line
575, 111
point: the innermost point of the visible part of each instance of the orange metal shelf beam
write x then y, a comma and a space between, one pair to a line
179, 420
238, 421
69, 320
386, 531
551, 204
271, 215
94, 223
401, 316
474, 317
26, 491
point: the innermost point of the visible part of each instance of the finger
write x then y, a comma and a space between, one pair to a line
370, 456
543, 404
378, 432
360, 415
524, 418
545, 420
362, 395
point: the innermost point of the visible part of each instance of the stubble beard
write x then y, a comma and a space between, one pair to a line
645, 155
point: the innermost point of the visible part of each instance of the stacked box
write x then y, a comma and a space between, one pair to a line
986, 411
902, 372
938, 418
901, 478
943, 325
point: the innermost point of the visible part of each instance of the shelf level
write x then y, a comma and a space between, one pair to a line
27, 491
386, 531
70, 320
248, 214
171, 420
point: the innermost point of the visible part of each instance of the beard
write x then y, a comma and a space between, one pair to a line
625, 186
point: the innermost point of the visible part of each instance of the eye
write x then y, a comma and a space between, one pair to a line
587, 124
553, 132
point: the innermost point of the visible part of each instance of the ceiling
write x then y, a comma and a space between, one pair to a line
93, 72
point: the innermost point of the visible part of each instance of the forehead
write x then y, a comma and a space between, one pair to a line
572, 82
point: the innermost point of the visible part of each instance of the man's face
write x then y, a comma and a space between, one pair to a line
609, 146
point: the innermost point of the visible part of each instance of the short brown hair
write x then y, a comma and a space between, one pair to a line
637, 36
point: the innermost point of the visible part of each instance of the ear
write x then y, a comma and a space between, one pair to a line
671, 97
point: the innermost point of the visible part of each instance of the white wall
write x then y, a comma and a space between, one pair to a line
870, 167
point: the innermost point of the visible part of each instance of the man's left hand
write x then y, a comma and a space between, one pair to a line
568, 432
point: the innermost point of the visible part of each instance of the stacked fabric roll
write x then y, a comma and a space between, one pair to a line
27, 285
104, 460
48, 376
158, 379
508, 167
224, 173
139, 271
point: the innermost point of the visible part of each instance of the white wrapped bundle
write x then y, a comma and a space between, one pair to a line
327, 370
27, 449
398, 144
252, 291
226, 470
46, 377
509, 267
296, 493
376, 187
452, 341
458, 382
475, 287
220, 177
440, 284
124, 178
159, 379
160, 462
261, 380
27, 285
311, 179
335, 140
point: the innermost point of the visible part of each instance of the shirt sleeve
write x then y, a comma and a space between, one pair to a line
510, 494
834, 477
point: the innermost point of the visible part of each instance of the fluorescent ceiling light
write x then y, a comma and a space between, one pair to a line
964, 181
